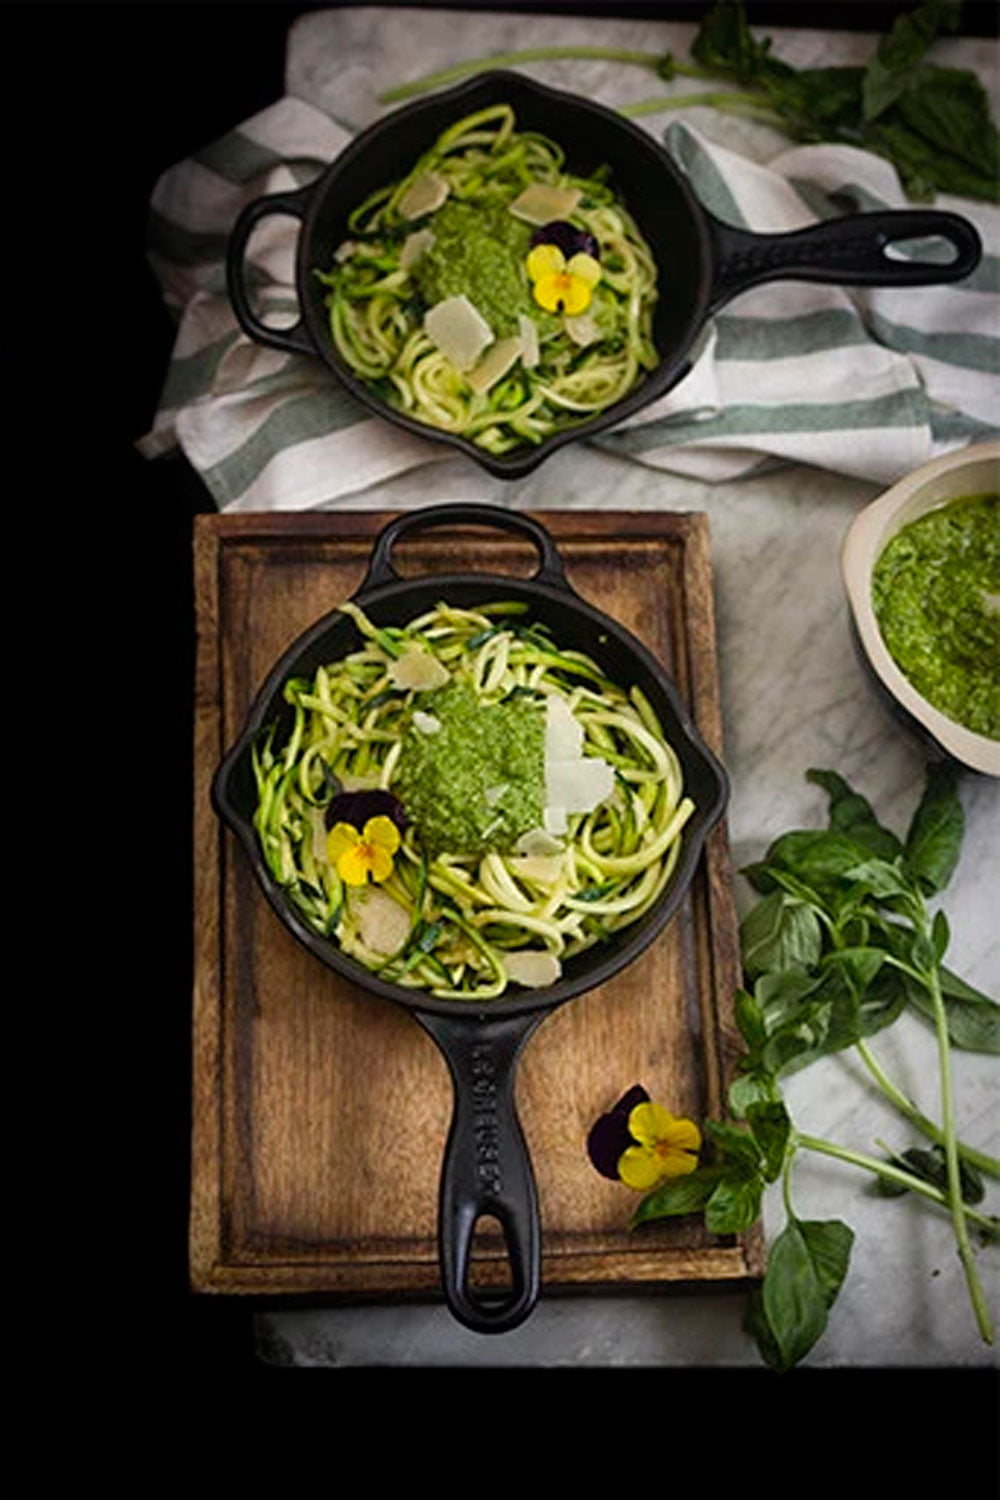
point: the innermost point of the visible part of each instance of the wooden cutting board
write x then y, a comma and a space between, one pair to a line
319, 1111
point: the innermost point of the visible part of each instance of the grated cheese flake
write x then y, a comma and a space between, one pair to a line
425, 193
460, 332
541, 203
494, 364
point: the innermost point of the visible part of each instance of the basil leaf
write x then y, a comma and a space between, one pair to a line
755, 1086
931, 1166
735, 1203
725, 44
883, 1001
679, 1195
940, 934
899, 52
778, 931
771, 1127
880, 879
934, 838
749, 1018
973, 1018
852, 814
948, 111
780, 995
733, 1145
806, 1267
818, 857
756, 1325
828, 1020
858, 966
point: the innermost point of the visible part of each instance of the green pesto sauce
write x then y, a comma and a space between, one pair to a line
478, 250
930, 592
442, 779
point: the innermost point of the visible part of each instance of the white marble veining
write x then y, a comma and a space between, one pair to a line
793, 697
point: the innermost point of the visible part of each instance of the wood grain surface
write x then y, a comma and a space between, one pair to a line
320, 1111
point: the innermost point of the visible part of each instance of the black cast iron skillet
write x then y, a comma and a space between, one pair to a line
703, 262
486, 1169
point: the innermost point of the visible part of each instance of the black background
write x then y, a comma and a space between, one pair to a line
100, 99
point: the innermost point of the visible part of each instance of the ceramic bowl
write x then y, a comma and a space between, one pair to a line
969, 471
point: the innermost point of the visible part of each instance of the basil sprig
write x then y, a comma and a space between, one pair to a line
838, 944
932, 122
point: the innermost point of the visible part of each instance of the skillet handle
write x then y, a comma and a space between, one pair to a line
381, 570
486, 1169
294, 340
850, 250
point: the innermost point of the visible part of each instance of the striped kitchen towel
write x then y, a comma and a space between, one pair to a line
867, 382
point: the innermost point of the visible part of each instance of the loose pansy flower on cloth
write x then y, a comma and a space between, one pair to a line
356, 856
640, 1143
563, 267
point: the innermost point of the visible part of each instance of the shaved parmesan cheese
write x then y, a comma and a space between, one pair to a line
493, 794
426, 723
578, 785
543, 869
574, 783
528, 331
417, 669
458, 330
414, 246
345, 250
318, 840
494, 364
425, 193
555, 819
382, 924
563, 731
537, 841
532, 968
367, 783
582, 329
540, 203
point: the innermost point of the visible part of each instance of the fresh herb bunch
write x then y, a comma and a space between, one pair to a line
932, 122
839, 943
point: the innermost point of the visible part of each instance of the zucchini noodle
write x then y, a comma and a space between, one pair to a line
460, 917
376, 304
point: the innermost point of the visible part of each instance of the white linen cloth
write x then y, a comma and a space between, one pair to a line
867, 382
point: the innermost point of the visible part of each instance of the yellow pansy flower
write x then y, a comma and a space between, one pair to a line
562, 285
667, 1146
356, 856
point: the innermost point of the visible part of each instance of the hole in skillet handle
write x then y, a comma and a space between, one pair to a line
381, 570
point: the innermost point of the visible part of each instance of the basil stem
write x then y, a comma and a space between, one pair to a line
817, 1143
667, 66
959, 1212
751, 105
975, 1158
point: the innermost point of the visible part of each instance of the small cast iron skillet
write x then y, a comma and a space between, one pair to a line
486, 1169
703, 262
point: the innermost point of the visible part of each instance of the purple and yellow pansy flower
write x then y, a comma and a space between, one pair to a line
364, 835
563, 268
641, 1144
357, 855
666, 1145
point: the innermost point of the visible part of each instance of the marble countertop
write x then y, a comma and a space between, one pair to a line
793, 697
